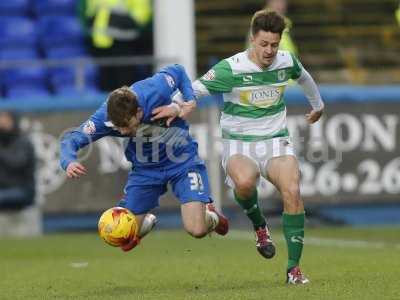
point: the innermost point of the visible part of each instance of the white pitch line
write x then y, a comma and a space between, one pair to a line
323, 242
343, 243
79, 264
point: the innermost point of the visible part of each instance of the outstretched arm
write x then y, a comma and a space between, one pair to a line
187, 107
199, 91
311, 91
215, 81
74, 140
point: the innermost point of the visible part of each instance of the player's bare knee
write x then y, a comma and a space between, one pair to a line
245, 186
291, 194
197, 231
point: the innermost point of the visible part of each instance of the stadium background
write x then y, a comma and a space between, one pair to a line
350, 160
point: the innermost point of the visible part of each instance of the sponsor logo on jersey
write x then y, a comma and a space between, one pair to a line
247, 78
209, 76
263, 97
170, 80
89, 127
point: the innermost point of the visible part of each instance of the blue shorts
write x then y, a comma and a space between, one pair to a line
145, 186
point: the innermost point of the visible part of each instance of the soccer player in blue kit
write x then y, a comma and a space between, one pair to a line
161, 152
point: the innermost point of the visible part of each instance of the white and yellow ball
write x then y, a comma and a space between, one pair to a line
117, 226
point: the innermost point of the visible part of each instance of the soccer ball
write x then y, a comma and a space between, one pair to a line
117, 226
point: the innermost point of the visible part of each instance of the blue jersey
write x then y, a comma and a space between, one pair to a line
155, 144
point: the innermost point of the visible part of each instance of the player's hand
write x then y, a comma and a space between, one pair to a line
314, 116
75, 170
165, 112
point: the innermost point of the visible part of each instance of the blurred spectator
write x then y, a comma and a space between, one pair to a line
280, 6
119, 28
17, 165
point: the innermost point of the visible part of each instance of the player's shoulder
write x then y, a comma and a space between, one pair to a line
101, 112
96, 121
284, 59
222, 69
237, 59
228, 65
284, 53
168, 75
100, 116
222, 65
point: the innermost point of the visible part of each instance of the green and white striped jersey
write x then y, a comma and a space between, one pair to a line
253, 98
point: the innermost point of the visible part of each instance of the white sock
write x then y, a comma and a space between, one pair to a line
147, 225
211, 220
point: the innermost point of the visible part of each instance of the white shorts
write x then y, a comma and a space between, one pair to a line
260, 152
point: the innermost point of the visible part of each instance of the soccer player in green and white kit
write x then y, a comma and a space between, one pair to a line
255, 135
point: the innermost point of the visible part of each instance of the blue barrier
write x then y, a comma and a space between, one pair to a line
293, 95
348, 93
362, 215
54, 104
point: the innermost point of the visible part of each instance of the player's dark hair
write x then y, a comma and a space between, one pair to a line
267, 20
122, 105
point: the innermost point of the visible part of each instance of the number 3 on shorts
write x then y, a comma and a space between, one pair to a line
196, 183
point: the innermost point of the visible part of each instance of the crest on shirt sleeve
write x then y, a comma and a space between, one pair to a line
170, 80
89, 127
109, 124
209, 76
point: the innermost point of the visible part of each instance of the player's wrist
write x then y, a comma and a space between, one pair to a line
187, 108
67, 165
176, 107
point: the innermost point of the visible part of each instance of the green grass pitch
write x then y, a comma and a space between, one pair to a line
341, 263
